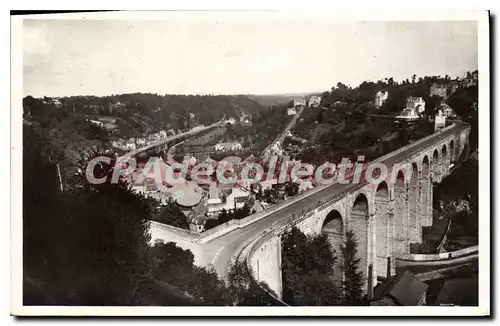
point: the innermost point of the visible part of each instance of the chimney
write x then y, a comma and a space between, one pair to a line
370, 283
389, 267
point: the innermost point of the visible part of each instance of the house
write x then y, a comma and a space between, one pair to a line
299, 102
197, 224
291, 111
439, 120
235, 200
415, 106
400, 290
314, 101
380, 98
447, 110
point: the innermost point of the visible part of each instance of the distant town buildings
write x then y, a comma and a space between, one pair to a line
299, 102
380, 98
234, 146
314, 101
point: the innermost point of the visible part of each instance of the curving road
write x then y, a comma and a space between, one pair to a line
220, 251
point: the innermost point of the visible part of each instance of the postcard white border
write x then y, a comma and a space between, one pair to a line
343, 15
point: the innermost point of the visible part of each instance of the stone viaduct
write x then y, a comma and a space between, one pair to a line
386, 216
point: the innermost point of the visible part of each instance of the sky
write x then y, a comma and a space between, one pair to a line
104, 57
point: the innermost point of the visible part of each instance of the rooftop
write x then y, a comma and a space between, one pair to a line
460, 292
404, 289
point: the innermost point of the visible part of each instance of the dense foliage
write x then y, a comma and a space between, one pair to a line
307, 265
175, 267
86, 245
353, 277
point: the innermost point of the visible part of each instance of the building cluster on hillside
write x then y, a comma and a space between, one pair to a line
205, 198
134, 143
228, 147
299, 102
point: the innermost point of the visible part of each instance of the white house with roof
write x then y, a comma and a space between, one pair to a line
291, 111
416, 104
235, 200
380, 98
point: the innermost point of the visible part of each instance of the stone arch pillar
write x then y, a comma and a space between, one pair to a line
401, 245
445, 162
426, 193
414, 231
359, 223
382, 222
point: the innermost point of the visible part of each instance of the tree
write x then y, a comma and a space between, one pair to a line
353, 277
292, 188
307, 266
175, 266
271, 195
211, 223
171, 214
97, 253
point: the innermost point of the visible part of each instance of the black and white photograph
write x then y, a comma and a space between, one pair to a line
250, 163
